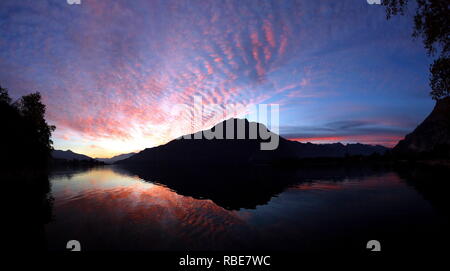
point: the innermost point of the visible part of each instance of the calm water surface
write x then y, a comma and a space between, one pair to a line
110, 209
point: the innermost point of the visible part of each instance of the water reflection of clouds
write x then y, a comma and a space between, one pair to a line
108, 209
116, 203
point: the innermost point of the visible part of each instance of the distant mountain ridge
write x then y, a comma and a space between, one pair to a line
116, 158
240, 151
69, 155
310, 150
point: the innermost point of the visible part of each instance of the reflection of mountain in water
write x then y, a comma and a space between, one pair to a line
234, 188
358, 202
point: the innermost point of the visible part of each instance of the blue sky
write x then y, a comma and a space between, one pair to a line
110, 71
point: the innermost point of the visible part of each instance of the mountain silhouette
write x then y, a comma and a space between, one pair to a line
243, 147
115, 158
432, 135
69, 155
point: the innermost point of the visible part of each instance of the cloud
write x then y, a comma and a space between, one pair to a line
363, 131
110, 72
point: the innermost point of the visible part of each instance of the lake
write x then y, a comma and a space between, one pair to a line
109, 208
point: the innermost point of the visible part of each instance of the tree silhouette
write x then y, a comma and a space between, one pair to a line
25, 138
33, 113
4, 97
431, 23
440, 78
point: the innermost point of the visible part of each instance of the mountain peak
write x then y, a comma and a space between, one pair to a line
240, 146
235, 128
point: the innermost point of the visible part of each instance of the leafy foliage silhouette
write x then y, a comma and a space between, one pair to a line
431, 23
25, 137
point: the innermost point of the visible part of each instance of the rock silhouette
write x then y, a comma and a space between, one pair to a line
432, 136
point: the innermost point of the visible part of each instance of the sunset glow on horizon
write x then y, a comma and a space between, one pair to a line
388, 141
110, 72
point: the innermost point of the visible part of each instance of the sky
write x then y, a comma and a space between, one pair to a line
110, 72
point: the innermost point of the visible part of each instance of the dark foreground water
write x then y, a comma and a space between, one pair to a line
108, 208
